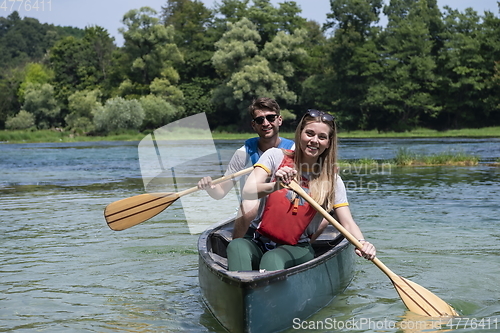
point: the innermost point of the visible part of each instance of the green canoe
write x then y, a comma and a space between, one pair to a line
271, 301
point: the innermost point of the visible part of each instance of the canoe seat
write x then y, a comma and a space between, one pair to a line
221, 261
218, 242
225, 234
328, 239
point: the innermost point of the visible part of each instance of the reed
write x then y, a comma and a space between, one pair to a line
27, 136
405, 157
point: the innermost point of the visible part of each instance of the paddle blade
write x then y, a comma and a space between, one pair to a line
420, 300
126, 213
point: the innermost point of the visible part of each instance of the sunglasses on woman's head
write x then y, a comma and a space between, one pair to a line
324, 116
270, 118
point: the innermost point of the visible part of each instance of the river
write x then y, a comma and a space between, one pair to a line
63, 270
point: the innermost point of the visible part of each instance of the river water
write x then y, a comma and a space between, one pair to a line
63, 270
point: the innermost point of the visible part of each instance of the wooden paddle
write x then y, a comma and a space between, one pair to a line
416, 298
126, 213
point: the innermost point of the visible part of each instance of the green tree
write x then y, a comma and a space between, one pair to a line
191, 21
83, 105
405, 89
119, 114
157, 112
165, 89
195, 37
230, 11
461, 65
34, 73
99, 48
66, 59
24, 39
198, 98
490, 51
248, 71
39, 100
352, 60
23, 120
236, 47
268, 20
285, 52
82, 63
311, 91
10, 80
150, 53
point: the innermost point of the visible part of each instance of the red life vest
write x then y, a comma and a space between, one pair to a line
286, 215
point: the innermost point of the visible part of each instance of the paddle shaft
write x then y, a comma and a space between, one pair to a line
416, 298
217, 181
294, 186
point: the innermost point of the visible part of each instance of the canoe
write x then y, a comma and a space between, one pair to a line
252, 301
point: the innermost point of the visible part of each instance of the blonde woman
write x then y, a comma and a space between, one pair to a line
269, 245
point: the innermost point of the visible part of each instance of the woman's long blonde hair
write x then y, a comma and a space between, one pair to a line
322, 181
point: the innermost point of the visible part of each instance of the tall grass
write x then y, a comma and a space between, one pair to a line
20, 136
31, 136
405, 157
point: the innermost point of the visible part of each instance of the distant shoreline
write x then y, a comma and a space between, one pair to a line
46, 136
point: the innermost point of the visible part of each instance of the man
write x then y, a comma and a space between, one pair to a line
266, 121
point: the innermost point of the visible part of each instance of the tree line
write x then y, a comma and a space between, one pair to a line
425, 68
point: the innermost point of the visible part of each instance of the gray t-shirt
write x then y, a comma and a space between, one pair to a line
270, 161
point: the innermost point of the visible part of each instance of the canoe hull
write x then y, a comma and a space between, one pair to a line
272, 301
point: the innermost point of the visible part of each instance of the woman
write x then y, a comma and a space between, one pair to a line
313, 163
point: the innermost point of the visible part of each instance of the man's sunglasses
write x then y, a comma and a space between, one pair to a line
270, 118
324, 116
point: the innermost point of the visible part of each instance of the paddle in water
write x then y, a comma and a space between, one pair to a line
126, 213
416, 298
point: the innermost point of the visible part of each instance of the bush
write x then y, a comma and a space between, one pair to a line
119, 113
23, 120
39, 100
82, 106
79, 124
157, 112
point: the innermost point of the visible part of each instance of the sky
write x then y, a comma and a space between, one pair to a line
108, 13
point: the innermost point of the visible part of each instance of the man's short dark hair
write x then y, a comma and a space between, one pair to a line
263, 103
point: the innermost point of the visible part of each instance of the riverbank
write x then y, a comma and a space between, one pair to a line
65, 136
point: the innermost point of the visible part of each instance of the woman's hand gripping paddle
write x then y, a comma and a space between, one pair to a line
416, 298
126, 213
